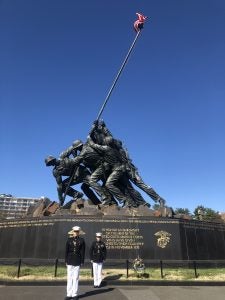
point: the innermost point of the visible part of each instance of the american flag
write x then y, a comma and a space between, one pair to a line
139, 23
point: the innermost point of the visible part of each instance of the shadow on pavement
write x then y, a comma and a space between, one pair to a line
113, 277
96, 292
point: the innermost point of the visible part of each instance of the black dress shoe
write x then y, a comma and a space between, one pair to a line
68, 298
95, 286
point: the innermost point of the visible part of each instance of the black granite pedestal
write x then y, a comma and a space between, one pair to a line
126, 237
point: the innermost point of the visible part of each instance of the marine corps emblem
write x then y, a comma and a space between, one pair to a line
163, 238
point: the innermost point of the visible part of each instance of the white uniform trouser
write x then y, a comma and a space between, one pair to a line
97, 273
72, 280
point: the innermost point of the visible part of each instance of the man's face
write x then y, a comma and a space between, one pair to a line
76, 233
98, 238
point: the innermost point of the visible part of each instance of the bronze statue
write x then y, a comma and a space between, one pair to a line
103, 168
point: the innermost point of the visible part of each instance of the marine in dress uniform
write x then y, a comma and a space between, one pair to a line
97, 256
74, 258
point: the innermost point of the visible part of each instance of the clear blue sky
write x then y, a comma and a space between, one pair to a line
57, 61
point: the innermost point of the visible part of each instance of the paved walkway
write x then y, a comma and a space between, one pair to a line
115, 292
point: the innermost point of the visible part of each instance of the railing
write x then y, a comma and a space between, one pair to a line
126, 265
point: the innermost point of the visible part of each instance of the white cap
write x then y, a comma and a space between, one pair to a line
76, 228
98, 234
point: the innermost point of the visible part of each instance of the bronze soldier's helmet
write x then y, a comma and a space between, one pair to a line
50, 160
77, 144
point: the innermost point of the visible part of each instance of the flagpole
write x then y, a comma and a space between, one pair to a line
118, 74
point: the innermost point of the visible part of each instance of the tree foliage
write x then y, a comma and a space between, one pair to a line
207, 214
184, 211
156, 206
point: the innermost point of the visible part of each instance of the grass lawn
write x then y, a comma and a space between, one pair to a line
47, 273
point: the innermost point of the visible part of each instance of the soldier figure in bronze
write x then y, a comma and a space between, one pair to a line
103, 167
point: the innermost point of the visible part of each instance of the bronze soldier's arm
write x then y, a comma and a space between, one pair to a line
66, 153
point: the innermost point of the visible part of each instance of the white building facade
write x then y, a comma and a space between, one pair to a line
13, 207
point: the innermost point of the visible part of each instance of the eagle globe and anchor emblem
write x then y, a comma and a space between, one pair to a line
163, 238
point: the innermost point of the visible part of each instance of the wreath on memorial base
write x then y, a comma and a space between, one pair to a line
138, 265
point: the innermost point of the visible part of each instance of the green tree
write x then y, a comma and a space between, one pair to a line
156, 206
207, 214
184, 211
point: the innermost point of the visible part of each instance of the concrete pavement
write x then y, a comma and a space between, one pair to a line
115, 292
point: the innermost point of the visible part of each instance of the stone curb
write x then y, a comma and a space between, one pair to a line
115, 283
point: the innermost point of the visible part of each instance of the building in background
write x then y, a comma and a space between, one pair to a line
223, 215
13, 207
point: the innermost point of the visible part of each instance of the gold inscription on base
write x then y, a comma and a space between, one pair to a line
122, 238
